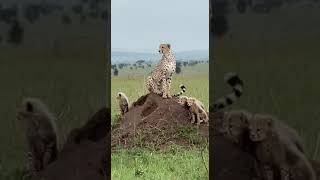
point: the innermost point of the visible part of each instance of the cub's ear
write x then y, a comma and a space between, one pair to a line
244, 117
169, 46
270, 122
29, 107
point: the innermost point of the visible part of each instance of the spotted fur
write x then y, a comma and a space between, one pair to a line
41, 133
123, 102
183, 90
237, 89
159, 81
277, 149
196, 108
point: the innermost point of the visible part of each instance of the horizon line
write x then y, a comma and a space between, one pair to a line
150, 51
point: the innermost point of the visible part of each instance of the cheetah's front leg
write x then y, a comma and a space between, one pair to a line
198, 118
169, 87
164, 88
193, 119
152, 86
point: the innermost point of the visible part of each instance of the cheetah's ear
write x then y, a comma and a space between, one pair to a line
244, 117
29, 107
169, 46
270, 122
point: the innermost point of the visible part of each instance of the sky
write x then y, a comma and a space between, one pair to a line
141, 25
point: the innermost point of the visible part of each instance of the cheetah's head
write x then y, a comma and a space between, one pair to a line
235, 123
164, 48
190, 101
259, 126
27, 114
120, 95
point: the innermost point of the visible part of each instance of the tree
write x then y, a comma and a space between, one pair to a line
32, 13
115, 72
219, 25
105, 14
16, 33
66, 19
178, 67
77, 9
185, 63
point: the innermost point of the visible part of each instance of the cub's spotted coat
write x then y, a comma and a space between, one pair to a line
41, 133
123, 103
196, 107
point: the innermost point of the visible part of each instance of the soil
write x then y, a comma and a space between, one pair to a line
153, 120
85, 154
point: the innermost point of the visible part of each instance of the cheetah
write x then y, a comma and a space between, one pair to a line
235, 126
123, 102
276, 150
237, 86
40, 129
159, 81
183, 90
197, 109
195, 106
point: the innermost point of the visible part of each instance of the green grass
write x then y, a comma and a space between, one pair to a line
173, 162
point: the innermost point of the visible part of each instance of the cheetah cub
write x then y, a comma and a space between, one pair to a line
235, 126
123, 102
41, 133
277, 150
197, 109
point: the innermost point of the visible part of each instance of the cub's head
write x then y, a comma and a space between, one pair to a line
164, 48
120, 95
190, 101
29, 113
259, 126
182, 100
235, 123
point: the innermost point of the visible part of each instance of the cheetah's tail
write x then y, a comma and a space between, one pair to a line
237, 87
183, 90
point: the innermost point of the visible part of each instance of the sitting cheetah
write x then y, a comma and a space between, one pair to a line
123, 102
197, 109
40, 130
277, 149
159, 81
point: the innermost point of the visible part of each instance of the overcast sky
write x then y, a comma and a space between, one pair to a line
141, 25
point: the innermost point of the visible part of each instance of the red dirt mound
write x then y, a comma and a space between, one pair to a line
157, 121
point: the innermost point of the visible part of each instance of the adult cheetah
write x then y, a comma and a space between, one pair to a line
159, 81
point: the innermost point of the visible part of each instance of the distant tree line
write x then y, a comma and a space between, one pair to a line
32, 12
142, 64
220, 9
